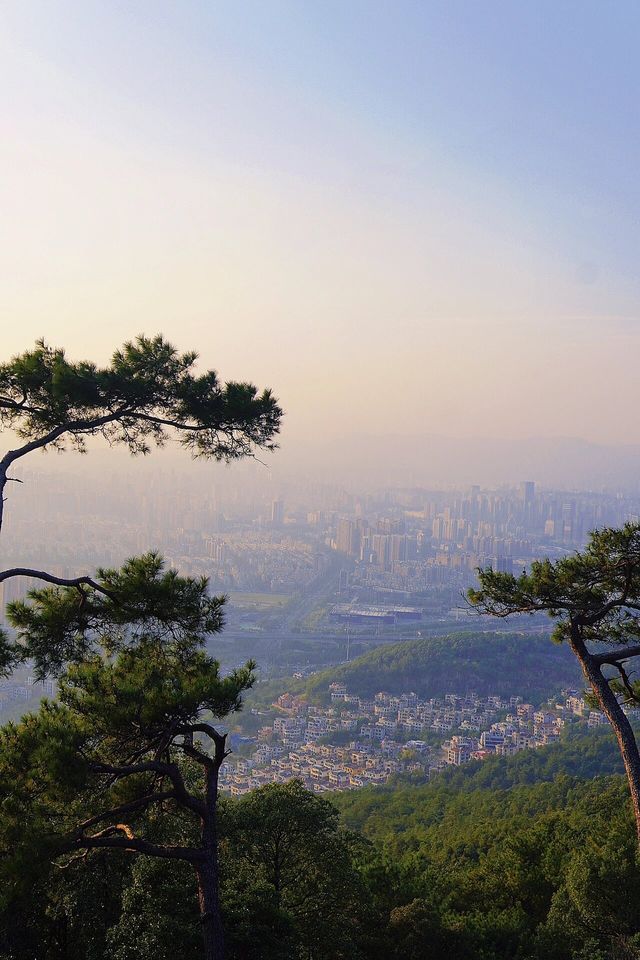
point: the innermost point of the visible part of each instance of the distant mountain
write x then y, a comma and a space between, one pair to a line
506, 664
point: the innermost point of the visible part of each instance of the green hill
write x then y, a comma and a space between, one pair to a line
500, 663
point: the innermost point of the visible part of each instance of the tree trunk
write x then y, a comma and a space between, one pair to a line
209, 900
618, 720
3, 483
207, 869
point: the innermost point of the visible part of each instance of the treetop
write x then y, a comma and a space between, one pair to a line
147, 393
596, 590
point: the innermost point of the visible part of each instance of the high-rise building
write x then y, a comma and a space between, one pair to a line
528, 491
348, 537
277, 513
380, 548
398, 547
216, 549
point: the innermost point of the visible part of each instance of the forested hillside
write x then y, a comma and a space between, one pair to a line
505, 664
539, 872
581, 755
544, 871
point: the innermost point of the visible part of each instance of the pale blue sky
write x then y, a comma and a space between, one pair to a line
422, 215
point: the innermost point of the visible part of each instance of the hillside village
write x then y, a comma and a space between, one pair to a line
356, 742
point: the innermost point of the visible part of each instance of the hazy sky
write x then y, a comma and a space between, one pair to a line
420, 217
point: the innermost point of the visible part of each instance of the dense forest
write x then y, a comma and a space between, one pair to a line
514, 859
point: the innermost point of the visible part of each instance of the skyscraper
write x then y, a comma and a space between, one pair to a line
348, 537
528, 490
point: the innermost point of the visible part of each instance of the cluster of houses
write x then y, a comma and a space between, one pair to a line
355, 741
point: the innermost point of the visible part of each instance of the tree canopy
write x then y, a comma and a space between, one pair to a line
147, 391
116, 763
137, 603
146, 395
596, 590
489, 663
546, 871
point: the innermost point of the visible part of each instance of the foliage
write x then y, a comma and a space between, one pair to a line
110, 764
137, 603
148, 390
290, 884
158, 910
485, 662
539, 872
113, 763
64, 914
580, 754
290, 839
594, 597
148, 394
598, 587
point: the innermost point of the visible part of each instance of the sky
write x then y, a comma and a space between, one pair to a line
407, 218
